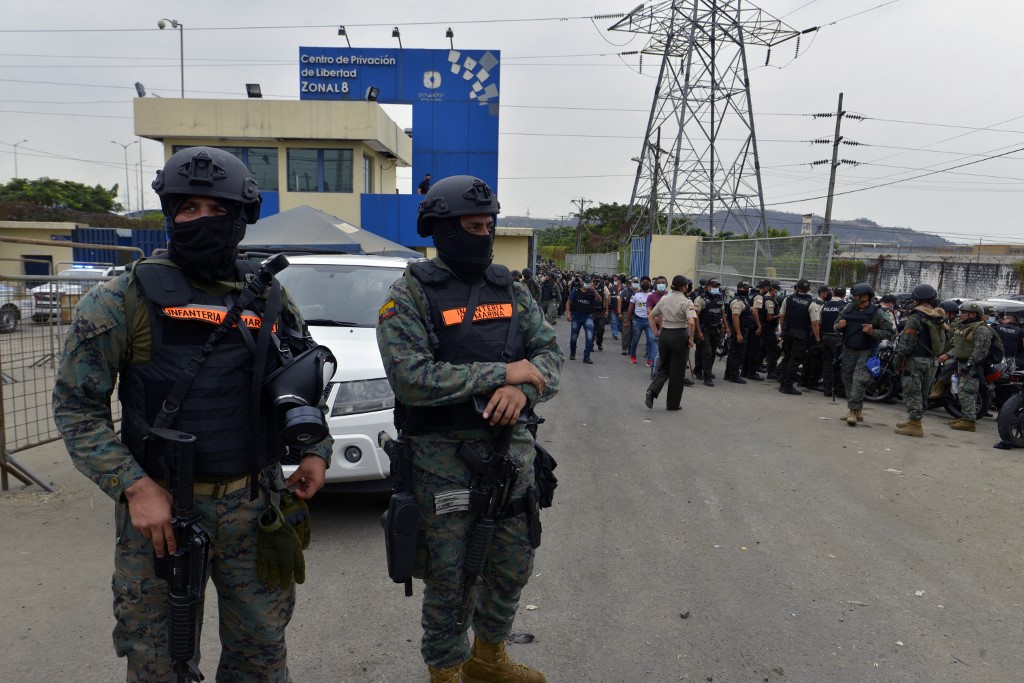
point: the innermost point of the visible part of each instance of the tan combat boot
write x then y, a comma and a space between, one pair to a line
938, 389
901, 425
451, 674
860, 414
910, 428
963, 425
490, 664
851, 418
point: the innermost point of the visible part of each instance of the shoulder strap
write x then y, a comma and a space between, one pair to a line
513, 326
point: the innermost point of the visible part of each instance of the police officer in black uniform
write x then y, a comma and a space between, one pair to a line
831, 342
770, 329
711, 320
1012, 336
796, 333
741, 327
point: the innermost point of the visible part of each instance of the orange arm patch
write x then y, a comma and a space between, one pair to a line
454, 316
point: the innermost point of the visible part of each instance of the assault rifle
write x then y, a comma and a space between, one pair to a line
185, 569
490, 495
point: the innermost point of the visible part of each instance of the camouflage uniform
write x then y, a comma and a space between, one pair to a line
420, 381
918, 370
856, 377
971, 343
253, 617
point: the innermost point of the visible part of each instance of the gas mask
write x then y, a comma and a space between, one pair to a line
295, 390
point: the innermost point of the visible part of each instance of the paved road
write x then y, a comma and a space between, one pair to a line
798, 548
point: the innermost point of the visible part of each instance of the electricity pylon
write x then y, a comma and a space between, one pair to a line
702, 113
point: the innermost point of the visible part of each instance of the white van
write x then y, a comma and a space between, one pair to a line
340, 297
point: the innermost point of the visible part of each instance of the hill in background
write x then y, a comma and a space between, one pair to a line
858, 230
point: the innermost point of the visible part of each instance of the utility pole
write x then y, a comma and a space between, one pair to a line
581, 202
835, 165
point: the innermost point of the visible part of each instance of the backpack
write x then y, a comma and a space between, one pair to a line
995, 352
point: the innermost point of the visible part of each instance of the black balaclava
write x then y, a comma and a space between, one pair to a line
467, 255
207, 247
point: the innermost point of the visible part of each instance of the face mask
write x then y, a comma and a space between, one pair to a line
585, 286
467, 255
644, 286
206, 247
715, 290
742, 292
991, 321
661, 287
636, 285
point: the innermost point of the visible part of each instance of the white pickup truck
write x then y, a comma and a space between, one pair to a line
53, 301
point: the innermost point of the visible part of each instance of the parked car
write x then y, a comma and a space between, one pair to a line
55, 300
340, 297
15, 306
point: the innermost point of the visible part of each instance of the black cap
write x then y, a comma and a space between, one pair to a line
889, 299
763, 283
586, 278
802, 284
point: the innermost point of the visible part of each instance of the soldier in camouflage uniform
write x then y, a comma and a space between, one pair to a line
920, 343
531, 284
972, 339
119, 329
863, 324
507, 352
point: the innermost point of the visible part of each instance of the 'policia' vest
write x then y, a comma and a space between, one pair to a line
853, 336
494, 336
798, 312
583, 301
830, 314
711, 313
217, 409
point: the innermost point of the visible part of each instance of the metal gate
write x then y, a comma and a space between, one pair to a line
786, 259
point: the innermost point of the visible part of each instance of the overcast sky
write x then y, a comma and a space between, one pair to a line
928, 74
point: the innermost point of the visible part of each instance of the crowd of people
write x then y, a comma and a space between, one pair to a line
827, 343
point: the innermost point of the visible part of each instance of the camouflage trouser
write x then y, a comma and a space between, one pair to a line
441, 545
252, 617
969, 385
918, 374
856, 377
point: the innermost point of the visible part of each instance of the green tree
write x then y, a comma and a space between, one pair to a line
53, 193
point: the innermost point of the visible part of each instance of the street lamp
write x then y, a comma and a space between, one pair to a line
395, 33
342, 32
16, 157
174, 23
127, 193
450, 35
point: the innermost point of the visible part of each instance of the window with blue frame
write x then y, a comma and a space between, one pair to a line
320, 170
261, 162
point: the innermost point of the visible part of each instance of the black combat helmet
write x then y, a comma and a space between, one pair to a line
950, 306
457, 195
207, 172
861, 288
924, 293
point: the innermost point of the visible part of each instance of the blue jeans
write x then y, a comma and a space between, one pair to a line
587, 323
613, 321
652, 345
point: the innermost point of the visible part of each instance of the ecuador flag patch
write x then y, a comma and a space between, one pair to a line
386, 311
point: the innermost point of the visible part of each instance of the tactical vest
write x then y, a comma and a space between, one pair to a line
547, 291
766, 301
963, 340
1010, 336
746, 317
583, 301
217, 409
494, 336
853, 337
798, 312
923, 348
711, 313
829, 314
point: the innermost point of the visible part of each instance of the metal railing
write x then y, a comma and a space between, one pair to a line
35, 315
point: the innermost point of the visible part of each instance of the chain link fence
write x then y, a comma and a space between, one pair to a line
607, 262
786, 259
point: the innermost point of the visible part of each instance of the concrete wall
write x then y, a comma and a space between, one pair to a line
957, 278
673, 255
12, 254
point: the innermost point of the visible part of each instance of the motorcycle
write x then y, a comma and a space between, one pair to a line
888, 386
1010, 398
